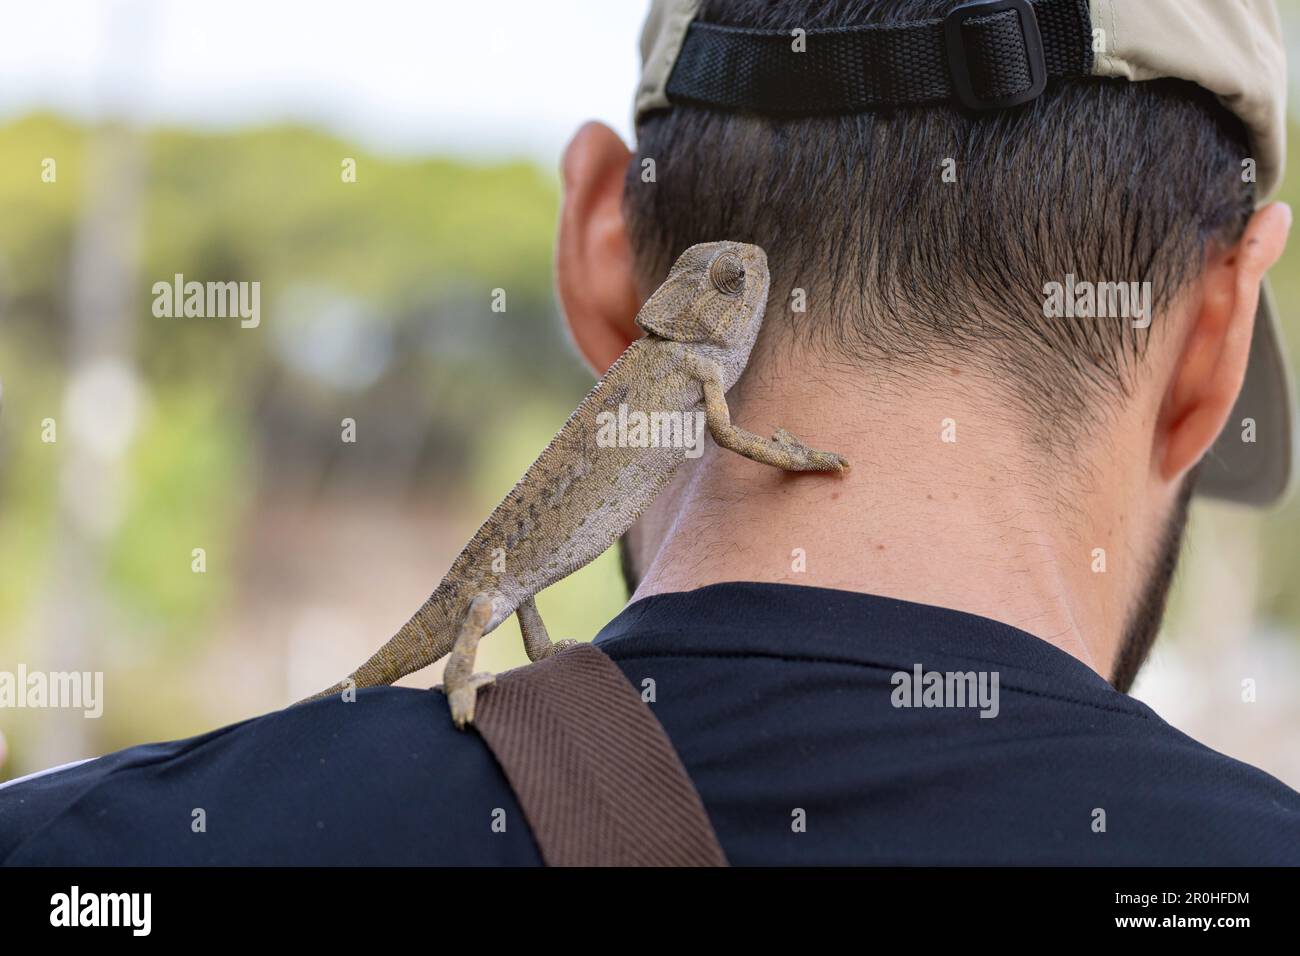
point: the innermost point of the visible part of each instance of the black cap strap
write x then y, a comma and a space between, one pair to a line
991, 54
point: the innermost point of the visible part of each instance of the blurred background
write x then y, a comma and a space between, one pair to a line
213, 139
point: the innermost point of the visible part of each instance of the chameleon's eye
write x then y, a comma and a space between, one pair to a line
727, 273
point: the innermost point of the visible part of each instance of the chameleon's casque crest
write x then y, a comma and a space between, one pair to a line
698, 302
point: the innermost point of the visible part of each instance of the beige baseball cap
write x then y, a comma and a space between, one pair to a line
1233, 48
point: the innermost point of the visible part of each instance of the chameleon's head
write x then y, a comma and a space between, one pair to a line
715, 294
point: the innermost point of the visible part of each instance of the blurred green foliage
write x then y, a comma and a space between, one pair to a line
398, 268
420, 244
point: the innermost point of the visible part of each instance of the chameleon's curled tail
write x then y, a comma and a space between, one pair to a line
412, 647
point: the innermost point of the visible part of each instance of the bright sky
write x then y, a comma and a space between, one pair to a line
477, 77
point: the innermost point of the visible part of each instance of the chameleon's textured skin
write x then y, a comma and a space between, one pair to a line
579, 497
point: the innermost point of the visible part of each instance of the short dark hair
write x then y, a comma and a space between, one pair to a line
1106, 180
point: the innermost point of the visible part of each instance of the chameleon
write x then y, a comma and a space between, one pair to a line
584, 490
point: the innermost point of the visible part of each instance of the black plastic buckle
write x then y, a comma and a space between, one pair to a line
959, 65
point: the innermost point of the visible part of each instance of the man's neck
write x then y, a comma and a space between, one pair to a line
947, 503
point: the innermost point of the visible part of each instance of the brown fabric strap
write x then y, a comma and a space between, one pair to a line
596, 775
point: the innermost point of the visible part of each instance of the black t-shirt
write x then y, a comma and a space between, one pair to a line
786, 706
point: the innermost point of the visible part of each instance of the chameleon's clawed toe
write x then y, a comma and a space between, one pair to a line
463, 698
809, 458
827, 461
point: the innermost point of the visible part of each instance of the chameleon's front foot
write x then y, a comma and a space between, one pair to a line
809, 459
782, 450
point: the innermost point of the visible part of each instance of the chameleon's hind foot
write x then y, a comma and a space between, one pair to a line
808, 459
537, 643
464, 696
460, 681
557, 646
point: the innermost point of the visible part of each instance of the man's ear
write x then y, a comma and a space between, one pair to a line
593, 259
1208, 374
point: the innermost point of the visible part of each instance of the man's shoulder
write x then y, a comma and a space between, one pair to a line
1181, 801
384, 779
789, 714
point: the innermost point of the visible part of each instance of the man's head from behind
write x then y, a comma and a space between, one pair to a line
910, 246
